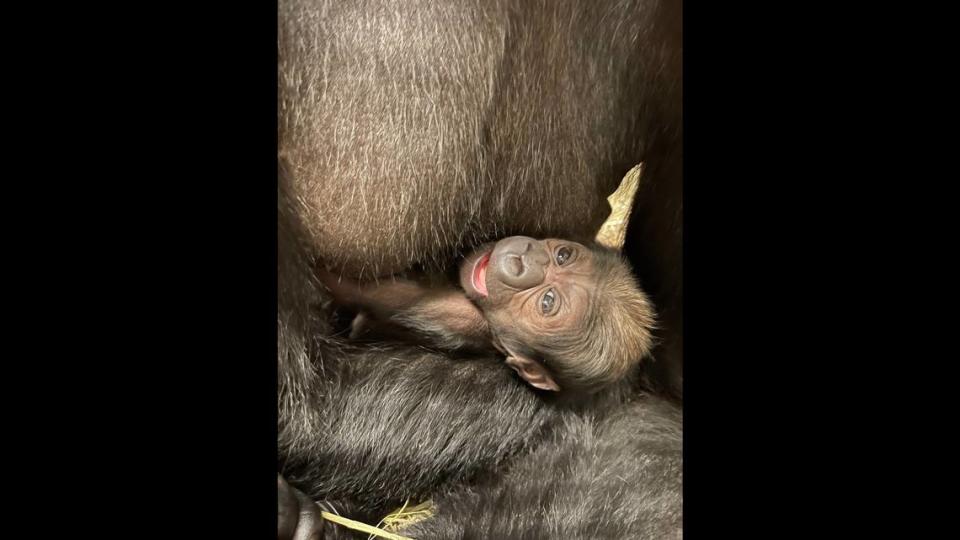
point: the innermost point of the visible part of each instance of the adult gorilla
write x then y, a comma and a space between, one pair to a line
409, 132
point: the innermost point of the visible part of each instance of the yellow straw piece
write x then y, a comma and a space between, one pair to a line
613, 232
363, 527
407, 515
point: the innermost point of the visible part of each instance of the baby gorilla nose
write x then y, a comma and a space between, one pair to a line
513, 265
521, 262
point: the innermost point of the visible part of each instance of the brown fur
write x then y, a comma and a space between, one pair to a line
403, 152
617, 335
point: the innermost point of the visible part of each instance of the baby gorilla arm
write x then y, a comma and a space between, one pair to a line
443, 315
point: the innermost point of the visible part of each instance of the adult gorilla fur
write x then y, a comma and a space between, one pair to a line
411, 131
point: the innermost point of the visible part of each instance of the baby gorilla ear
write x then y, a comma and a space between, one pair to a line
532, 372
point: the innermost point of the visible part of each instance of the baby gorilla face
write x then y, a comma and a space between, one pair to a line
530, 289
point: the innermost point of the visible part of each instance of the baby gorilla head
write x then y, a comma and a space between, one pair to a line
566, 315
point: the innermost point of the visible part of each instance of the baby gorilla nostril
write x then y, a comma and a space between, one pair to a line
515, 265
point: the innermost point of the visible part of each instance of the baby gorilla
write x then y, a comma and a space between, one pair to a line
565, 315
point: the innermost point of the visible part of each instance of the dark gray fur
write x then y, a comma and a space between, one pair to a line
602, 475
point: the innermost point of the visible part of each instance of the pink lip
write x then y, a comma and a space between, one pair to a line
479, 277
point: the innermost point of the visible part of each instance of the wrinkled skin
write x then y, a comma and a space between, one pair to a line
512, 277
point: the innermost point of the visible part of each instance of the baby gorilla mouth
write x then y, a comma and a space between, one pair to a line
473, 272
480, 274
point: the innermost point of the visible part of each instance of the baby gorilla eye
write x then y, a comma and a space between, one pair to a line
546, 303
563, 255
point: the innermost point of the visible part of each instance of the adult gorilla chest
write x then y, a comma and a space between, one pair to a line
414, 129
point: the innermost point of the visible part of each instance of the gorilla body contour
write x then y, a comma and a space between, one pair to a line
412, 131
